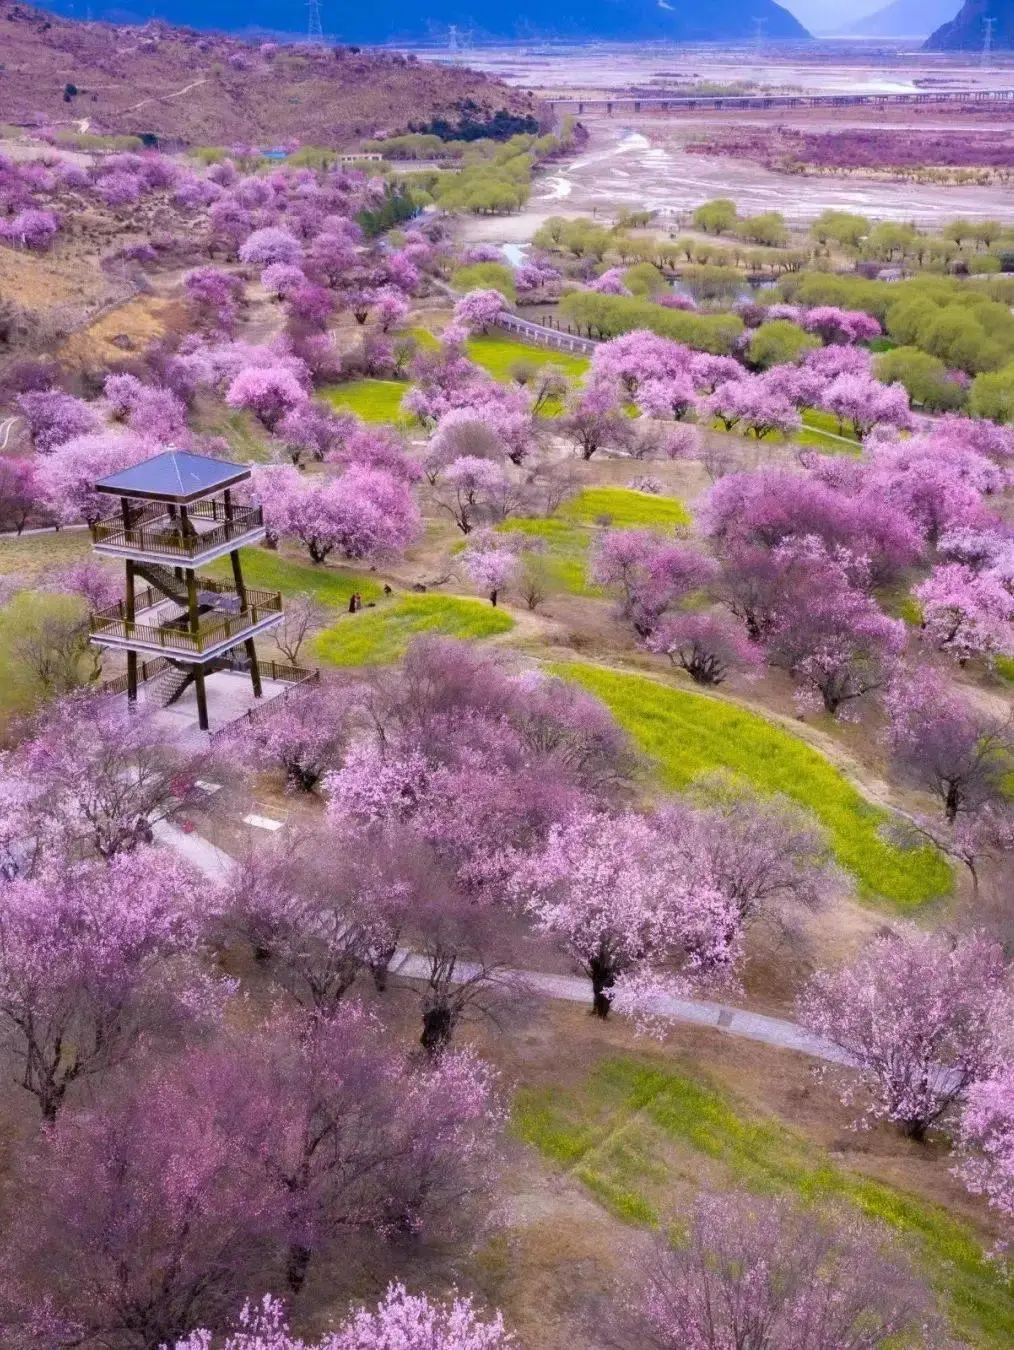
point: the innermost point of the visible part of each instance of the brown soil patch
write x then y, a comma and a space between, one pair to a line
139, 322
41, 283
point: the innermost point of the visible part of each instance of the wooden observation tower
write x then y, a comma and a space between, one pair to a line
176, 515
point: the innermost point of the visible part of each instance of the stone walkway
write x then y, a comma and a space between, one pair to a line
216, 864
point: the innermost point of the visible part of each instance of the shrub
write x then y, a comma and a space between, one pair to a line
992, 395
927, 379
778, 342
611, 315
716, 217
486, 276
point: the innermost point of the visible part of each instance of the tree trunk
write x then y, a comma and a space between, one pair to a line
915, 1129
297, 1263
602, 978
438, 1025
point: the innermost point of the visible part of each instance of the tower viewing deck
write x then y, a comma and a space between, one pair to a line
177, 507
177, 514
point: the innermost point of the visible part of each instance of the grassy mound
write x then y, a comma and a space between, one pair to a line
40, 555
637, 1128
689, 734
380, 636
380, 400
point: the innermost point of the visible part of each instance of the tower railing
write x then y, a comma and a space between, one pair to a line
111, 624
174, 539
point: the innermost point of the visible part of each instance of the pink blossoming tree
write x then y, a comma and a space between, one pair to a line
82, 965
754, 1272
708, 647
478, 311
986, 1140
623, 904
920, 1018
401, 1321
947, 747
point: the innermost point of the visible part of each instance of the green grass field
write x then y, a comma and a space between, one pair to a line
566, 546
688, 734
375, 637
496, 353
243, 432
626, 509
820, 429
372, 400
380, 400
270, 571
25, 624
37, 555
568, 536
638, 1128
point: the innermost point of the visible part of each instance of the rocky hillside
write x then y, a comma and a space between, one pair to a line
904, 18
966, 31
406, 21
202, 88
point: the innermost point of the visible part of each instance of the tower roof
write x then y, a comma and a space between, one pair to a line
174, 476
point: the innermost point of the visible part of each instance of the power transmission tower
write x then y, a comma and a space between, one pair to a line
314, 32
758, 35
987, 41
452, 43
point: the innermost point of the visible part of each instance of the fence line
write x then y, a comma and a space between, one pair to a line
546, 335
294, 677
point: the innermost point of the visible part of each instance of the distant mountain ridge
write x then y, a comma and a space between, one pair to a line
407, 21
966, 31
904, 18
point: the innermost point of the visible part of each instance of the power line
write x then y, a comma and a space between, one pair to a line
315, 32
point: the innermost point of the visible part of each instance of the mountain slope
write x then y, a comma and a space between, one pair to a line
209, 89
966, 31
407, 21
904, 18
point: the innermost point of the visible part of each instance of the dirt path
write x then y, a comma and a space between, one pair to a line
161, 98
215, 864
7, 429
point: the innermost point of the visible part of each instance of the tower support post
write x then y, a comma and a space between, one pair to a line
192, 614
202, 698
130, 613
255, 669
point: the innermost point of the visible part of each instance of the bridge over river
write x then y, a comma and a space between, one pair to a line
658, 103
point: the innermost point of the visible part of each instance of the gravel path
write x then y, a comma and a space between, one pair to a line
216, 864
